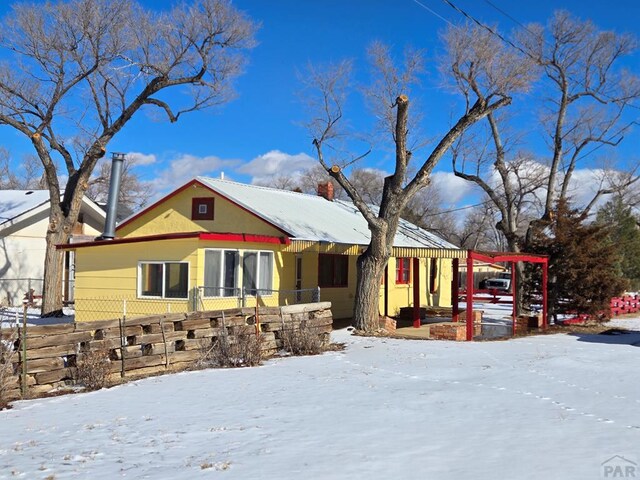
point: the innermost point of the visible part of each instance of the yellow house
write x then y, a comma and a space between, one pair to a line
216, 244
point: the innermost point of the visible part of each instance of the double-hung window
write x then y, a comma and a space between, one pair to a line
403, 270
221, 273
163, 279
257, 272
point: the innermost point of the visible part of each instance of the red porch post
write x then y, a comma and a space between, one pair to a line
416, 292
470, 296
545, 274
455, 291
386, 290
514, 293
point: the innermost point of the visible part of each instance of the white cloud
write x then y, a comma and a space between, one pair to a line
453, 189
138, 158
185, 167
274, 164
584, 185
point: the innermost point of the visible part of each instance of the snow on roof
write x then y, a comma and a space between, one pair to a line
311, 217
14, 203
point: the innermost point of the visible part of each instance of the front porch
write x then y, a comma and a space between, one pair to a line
453, 323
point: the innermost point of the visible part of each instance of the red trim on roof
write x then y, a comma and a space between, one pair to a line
245, 237
222, 237
184, 187
117, 241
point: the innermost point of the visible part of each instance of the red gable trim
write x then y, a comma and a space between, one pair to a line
222, 237
184, 187
162, 200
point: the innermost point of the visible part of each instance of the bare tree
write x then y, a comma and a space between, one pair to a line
486, 83
78, 71
425, 210
479, 230
26, 176
133, 194
586, 93
590, 89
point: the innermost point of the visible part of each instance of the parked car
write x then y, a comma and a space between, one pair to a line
500, 284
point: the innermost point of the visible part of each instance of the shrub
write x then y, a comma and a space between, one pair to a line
93, 368
239, 351
8, 374
302, 341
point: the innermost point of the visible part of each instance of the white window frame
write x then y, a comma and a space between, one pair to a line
221, 277
164, 285
273, 261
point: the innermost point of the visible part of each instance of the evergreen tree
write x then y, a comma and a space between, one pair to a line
624, 236
583, 264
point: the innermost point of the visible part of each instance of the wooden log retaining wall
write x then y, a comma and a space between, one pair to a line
143, 346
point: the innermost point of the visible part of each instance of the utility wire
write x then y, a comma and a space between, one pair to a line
486, 202
520, 49
579, 82
434, 13
488, 28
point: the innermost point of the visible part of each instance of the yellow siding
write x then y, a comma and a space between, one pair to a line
341, 298
107, 275
401, 295
111, 271
174, 215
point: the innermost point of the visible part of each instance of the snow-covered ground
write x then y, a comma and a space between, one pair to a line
543, 407
10, 316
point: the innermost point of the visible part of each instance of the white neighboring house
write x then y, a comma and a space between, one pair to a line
24, 217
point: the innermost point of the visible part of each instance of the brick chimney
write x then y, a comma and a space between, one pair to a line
325, 190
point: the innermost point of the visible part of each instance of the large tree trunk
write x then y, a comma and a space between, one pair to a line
53, 266
371, 264
62, 218
366, 310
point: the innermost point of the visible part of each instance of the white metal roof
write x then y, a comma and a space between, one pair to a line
14, 203
310, 217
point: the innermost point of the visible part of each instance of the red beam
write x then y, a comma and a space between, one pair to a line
245, 237
514, 296
545, 274
455, 291
470, 297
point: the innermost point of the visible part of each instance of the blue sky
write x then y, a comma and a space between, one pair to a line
259, 133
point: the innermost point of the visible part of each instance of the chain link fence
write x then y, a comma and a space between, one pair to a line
200, 299
15, 291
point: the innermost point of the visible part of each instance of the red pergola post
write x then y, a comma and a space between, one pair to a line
545, 275
455, 291
470, 296
514, 292
416, 292
386, 290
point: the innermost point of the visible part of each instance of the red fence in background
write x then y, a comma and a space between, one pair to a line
625, 304
618, 306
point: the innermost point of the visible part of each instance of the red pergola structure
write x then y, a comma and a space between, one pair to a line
495, 257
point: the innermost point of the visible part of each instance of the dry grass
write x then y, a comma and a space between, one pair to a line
302, 340
92, 369
8, 355
224, 352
